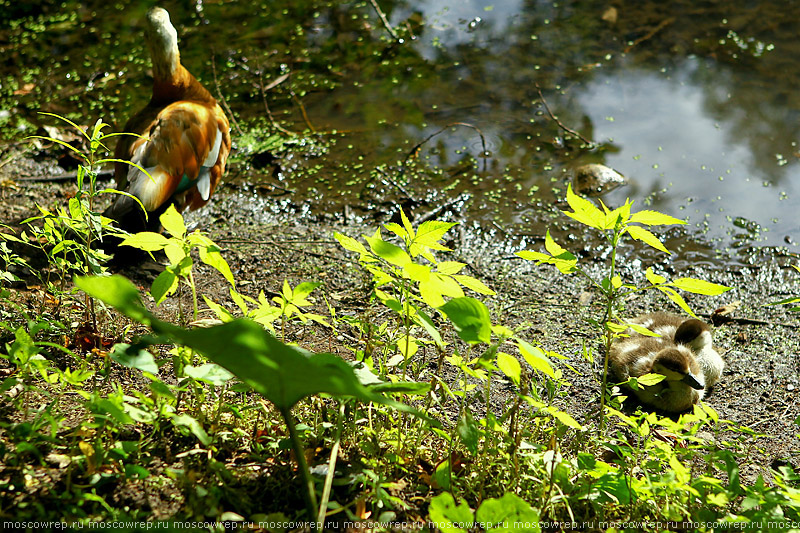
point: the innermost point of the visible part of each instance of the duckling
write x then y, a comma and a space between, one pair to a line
683, 354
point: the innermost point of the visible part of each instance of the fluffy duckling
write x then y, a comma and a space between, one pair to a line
683, 353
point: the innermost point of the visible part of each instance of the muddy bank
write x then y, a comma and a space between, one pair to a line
266, 241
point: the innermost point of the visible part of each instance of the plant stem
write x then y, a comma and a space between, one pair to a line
326, 490
309, 494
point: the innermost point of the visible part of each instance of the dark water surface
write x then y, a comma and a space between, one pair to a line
696, 102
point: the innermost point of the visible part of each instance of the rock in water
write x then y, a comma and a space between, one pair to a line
596, 180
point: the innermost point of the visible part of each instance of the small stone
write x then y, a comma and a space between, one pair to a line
790, 387
596, 180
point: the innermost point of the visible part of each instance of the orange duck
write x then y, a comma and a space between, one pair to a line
184, 139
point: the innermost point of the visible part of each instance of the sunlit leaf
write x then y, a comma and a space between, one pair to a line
446, 513
387, 251
647, 237
536, 357
654, 278
473, 284
349, 243
449, 267
173, 222
146, 240
584, 211
654, 218
677, 298
509, 366
470, 317
699, 286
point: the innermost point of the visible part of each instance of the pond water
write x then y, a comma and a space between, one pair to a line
696, 103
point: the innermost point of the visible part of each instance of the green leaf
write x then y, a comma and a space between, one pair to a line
470, 318
416, 272
445, 513
468, 432
165, 284
209, 373
507, 513
211, 256
134, 357
173, 222
146, 240
426, 322
449, 267
641, 330
650, 379
188, 424
698, 286
654, 218
535, 357
654, 278
281, 373
585, 211
428, 235
565, 419
349, 243
530, 255
677, 298
509, 365
641, 234
388, 251
473, 284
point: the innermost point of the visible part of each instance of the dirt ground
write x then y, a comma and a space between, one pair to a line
266, 241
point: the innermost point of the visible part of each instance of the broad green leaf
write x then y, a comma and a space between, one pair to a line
165, 284
585, 211
349, 243
445, 513
654, 218
647, 237
209, 373
300, 292
134, 357
416, 272
470, 317
213, 258
565, 419
398, 230
533, 256
388, 251
468, 432
407, 346
650, 379
449, 267
437, 286
509, 365
654, 278
677, 298
429, 234
173, 222
175, 252
641, 330
535, 357
473, 284
507, 513
426, 322
552, 246
698, 286
281, 373
146, 240
188, 424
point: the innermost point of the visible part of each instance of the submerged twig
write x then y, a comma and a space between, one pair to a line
663, 24
384, 20
274, 83
558, 122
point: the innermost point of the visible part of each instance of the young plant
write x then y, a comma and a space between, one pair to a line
178, 249
614, 225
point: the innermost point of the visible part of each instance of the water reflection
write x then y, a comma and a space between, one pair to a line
696, 104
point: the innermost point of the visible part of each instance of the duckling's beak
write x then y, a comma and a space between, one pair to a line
690, 380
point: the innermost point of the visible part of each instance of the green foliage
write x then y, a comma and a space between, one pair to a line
792, 300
